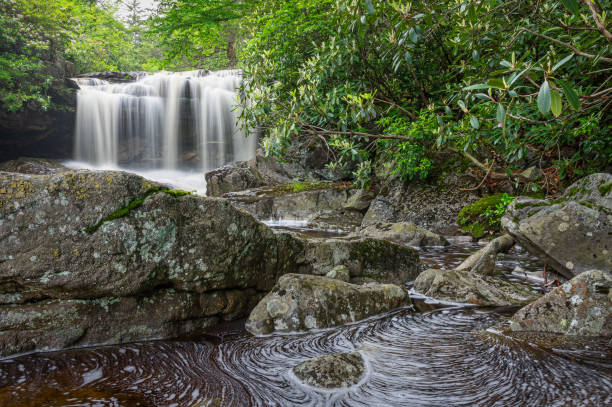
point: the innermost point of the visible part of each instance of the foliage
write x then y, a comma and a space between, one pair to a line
38, 35
508, 84
484, 215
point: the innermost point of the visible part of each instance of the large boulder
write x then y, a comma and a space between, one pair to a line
301, 302
572, 233
466, 287
580, 307
36, 166
103, 257
334, 370
404, 233
433, 207
231, 178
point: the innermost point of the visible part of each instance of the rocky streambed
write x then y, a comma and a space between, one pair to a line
350, 297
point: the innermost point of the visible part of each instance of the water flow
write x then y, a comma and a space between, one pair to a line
183, 121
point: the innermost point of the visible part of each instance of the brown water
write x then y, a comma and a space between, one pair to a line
423, 356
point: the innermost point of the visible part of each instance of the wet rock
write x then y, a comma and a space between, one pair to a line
115, 76
344, 221
341, 273
301, 302
572, 233
37, 166
333, 370
467, 287
433, 207
580, 307
404, 233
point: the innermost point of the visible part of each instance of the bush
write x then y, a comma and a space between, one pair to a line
484, 215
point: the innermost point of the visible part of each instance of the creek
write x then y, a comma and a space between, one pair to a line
428, 354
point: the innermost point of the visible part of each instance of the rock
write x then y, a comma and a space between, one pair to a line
301, 302
433, 207
572, 233
37, 166
476, 219
404, 233
483, 261
531, 174
231, 178
467, 287
333, 370
361, 200
341, 273
293, 201
115, 76
376, 260
582, 306
104, 257
343, 221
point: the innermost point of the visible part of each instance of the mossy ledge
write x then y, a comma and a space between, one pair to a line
136, 203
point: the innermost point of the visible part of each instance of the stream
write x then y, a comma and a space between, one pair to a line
427, 354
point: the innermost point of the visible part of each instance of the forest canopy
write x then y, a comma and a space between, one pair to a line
400, 87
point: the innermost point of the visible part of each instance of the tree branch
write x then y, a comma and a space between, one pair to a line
600, 27
574, 49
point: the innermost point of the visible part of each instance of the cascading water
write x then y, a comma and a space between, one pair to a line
161, 125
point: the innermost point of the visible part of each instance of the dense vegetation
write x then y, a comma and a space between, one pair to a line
400, 86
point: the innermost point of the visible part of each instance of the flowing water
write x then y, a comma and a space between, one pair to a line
169, 126
425, 355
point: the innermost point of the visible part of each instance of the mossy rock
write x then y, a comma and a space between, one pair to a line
472, 217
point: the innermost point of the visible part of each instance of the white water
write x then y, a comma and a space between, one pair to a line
169, 127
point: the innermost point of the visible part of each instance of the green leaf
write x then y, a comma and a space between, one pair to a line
477, 86
414, 37
462, 105
544, 98
563, 61
496, 83
369, 6
474, 122
571, 5
555, 103
501, 114
475, 56
570, 94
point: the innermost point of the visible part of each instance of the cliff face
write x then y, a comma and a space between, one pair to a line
33, 132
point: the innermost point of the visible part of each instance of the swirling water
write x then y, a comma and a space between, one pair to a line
416, 356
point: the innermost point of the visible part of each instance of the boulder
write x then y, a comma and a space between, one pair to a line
231, 178
361, 200
365, 258
471, 288
104, 257
404, 233
334, 370
341, 221
483, 261
433, 207
572, 233
580, 307
293, 201
301, 302
341, 273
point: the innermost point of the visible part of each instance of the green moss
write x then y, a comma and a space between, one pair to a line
120, 213
605, 189
484, 215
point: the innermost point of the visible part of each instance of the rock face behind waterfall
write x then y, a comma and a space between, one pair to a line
301, 302
573, 233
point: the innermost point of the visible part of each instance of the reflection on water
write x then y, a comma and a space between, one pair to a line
417, 357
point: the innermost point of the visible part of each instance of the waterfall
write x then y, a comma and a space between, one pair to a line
164, 121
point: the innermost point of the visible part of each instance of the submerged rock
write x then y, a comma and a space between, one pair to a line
404, 233
571, 234
582, 306
472, 288
334, 370
302, 302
